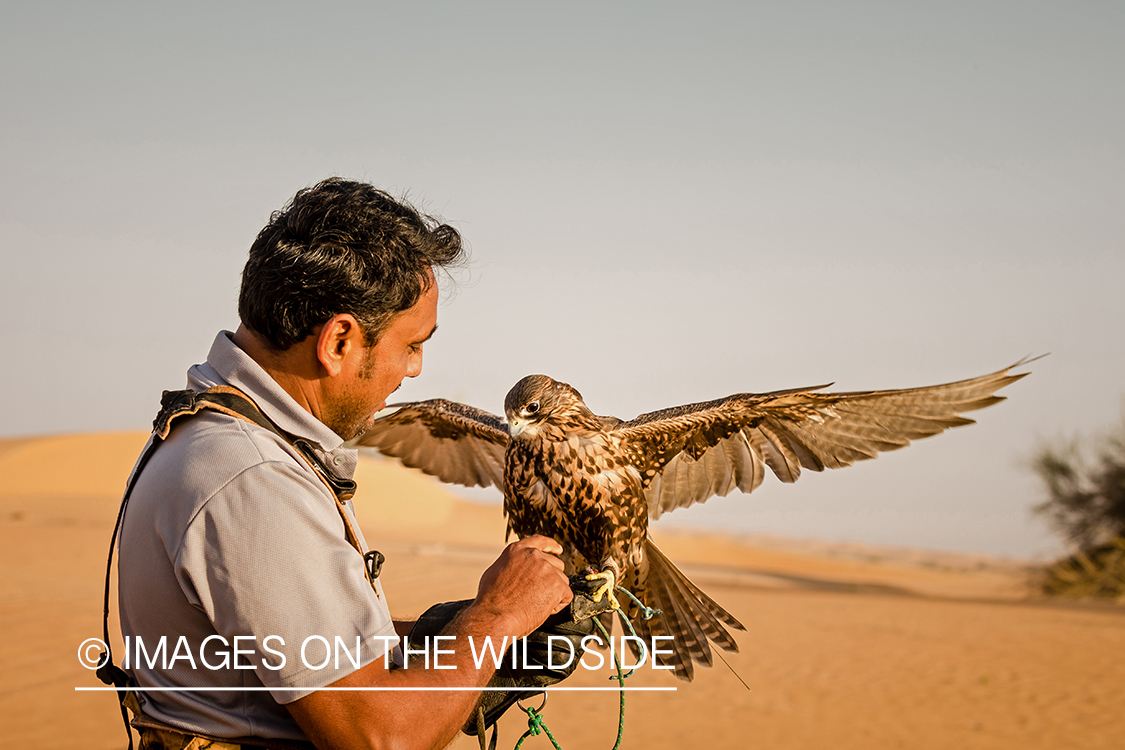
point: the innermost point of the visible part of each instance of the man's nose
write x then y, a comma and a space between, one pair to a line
414, 366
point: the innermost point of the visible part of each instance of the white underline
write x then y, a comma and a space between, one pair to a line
369, 689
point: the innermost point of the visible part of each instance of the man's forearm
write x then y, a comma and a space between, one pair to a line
392, 714
516, 593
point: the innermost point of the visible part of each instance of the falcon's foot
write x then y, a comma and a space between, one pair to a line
607, 588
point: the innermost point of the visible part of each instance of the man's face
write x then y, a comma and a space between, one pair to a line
377, 371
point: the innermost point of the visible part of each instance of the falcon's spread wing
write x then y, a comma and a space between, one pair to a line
686, 454
454, 442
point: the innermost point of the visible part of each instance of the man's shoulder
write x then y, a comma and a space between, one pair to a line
215, 466
225, 439
206, 451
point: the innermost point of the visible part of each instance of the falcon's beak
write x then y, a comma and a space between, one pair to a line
515, 427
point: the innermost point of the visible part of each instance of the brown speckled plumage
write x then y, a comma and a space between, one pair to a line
594, 482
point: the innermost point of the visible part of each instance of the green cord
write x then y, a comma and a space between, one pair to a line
647, 613
620, 681
535, 723
535, 726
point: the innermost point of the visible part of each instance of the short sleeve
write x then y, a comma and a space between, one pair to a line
265, 558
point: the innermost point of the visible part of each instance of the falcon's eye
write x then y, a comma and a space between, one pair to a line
532, 408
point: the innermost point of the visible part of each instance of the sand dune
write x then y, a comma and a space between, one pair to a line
846, 646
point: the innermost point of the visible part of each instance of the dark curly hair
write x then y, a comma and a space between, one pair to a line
340, 247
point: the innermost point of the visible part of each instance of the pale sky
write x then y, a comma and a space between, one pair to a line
665, 202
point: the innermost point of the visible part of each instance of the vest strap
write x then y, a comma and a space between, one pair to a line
228, 400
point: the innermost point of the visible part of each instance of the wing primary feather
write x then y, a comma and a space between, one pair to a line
728, 442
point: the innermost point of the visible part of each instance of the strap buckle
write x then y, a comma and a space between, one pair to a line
373, 561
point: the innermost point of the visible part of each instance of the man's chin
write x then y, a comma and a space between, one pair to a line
363, 427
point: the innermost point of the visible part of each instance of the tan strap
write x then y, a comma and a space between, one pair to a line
156, 734
233, 402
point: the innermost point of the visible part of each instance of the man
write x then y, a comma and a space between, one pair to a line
236, 551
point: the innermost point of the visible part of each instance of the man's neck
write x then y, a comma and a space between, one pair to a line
296, 369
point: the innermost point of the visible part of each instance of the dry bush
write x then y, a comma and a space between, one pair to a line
1097, 573
1086, 504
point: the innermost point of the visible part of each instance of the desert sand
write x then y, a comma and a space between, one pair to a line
846, 646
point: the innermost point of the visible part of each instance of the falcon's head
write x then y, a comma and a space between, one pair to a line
538, 399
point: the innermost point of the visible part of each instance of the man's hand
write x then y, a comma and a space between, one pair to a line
524, 587
516, 594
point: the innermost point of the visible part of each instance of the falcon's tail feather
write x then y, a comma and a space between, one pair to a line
687, 614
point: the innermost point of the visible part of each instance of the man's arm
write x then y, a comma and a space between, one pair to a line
522, 588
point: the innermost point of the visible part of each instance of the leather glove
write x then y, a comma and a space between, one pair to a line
542, 656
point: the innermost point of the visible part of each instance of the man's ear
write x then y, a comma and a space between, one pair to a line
339, 338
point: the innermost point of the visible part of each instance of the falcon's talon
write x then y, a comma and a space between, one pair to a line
605, 589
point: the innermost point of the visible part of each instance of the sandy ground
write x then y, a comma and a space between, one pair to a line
847, 646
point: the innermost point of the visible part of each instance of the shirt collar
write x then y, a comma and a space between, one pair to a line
227, 364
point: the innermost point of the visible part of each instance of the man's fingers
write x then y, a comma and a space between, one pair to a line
545, 543
537, 544
555, 563
528, 581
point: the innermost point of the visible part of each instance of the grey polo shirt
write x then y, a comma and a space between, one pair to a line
234, 570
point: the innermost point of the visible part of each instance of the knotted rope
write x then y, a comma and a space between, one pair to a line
535, 722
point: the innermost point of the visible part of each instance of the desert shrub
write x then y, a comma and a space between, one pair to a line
1095, 573
1086, 504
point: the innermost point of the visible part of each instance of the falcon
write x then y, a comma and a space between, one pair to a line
594, 483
